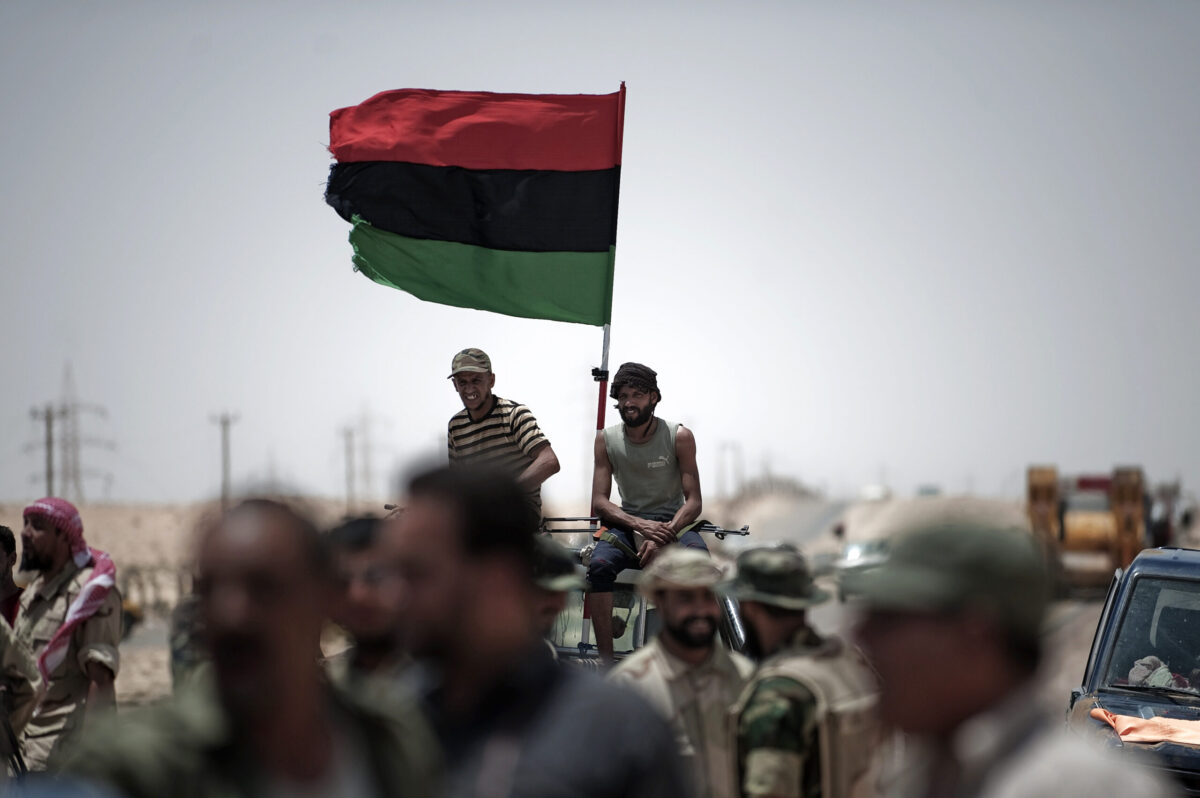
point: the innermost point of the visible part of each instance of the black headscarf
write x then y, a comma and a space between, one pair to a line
635, 375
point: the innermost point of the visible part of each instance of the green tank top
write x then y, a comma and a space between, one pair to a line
647, 473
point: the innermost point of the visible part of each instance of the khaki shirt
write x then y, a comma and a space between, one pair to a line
1013, 750
696, 700
44, 607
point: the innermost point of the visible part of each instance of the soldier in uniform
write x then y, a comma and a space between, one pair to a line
806, 723
953, 625
686, 672
70, 620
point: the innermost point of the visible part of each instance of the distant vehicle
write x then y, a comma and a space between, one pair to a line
1102, 514
1144, 657
635, 620
858, 557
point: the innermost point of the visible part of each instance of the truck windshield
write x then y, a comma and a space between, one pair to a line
1087, 502
1158, 640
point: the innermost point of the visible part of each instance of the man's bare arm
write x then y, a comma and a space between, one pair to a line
544, 465
102, 694
689, 473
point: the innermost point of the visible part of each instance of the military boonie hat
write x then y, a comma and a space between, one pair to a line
680, 567
778, 576
554, 567
959, 562
470, 359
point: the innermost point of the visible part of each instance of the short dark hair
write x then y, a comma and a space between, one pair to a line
7, 540
313, 545
495, 517
355, 534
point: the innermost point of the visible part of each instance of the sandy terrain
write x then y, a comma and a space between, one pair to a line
151, 545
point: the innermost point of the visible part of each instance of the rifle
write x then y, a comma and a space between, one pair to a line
594, 523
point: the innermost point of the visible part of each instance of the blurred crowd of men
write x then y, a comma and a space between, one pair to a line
449, 686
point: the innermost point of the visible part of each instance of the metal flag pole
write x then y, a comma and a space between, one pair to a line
600, 375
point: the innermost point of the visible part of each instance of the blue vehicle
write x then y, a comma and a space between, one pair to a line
1145, 658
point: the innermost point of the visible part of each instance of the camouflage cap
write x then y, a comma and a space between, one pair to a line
962, 561
554, 567
679, 566
470, 360
776, 575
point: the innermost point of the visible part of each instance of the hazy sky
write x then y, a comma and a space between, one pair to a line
922, 242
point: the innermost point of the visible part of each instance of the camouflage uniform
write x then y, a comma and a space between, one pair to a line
694, 698
784, 743
60, 709
805, 725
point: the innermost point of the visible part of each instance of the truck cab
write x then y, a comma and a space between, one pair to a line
1145, 658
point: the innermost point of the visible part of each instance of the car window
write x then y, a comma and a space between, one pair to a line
1158, 641
627, 631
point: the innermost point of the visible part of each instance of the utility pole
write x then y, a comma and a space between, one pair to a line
348, 435
225, 420
69, 441
47, 415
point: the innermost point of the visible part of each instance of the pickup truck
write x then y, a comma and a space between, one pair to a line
1144, 658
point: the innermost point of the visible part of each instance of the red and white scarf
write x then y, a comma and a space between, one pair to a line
64, 516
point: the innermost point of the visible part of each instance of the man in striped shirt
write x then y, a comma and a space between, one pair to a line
496, 432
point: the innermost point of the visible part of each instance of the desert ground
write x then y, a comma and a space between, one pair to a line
151, 545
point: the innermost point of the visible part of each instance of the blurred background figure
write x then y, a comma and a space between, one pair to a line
554, 575
511, 722
10, 591
686, 672
953, 622
70, 621
268, 722
807, 722
365, 603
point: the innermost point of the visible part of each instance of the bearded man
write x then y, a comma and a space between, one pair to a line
70, 620
654, 464
686, 672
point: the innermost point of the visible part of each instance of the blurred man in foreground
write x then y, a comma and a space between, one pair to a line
953, 626
686, 672
270, 724
366, 603
807, 723
512, 723
70, 620
554, 575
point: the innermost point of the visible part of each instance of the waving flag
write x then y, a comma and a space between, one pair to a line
500, 202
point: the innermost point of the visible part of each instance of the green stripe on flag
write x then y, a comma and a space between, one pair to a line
561, 286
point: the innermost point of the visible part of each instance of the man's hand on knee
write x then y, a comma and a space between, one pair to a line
657, 531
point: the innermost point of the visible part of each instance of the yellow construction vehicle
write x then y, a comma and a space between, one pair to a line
1101, 514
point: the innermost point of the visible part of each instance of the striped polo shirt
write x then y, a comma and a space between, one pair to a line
508, 437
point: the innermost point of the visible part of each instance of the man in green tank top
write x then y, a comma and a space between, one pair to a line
654, 464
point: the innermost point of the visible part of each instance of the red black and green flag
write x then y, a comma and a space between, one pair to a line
500, 202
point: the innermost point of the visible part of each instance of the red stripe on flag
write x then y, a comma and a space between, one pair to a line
482, 130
